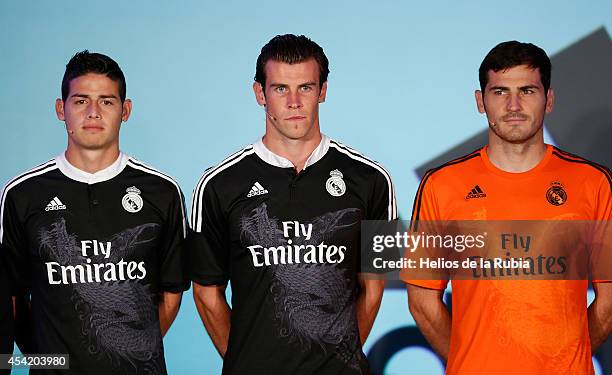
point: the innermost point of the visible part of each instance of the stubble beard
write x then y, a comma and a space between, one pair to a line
515, 134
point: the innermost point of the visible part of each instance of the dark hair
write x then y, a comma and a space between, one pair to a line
291, 49
512, 53
85, 62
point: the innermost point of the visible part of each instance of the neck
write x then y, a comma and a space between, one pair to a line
296, 151
91, 161
516, 158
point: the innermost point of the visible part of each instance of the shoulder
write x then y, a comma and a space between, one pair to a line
359, 160
375, 179
214, 177
165, 188
228, 167
29, 178
581, 168
161, 179
451, 170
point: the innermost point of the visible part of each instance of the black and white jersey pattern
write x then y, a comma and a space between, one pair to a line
94, 251
290, 244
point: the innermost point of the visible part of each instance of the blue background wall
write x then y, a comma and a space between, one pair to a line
400, 90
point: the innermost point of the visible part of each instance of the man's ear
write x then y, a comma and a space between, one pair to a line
127, 110
479, 101
260, 95
323, 92
59, 109
550, 100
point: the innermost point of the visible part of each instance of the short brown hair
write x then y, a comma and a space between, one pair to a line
291, 49
509, 54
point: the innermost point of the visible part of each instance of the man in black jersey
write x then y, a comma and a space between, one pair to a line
280, 219
95, 237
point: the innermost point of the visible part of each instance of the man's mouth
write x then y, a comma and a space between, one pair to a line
93, 127
515, 117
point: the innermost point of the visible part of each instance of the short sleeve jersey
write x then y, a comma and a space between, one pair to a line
289, 244
516, 326
94, 251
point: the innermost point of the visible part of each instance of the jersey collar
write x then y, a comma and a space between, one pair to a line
278, 161
91, 178
516, 175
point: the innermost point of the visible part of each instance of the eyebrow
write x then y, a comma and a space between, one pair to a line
309, 83
505, 88
88, 96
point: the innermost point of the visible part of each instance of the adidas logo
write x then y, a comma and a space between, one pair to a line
55, 205
257, 189
476, 192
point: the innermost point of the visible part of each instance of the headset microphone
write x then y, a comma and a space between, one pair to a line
269, 114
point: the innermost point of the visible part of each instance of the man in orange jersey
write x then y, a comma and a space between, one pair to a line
514, 326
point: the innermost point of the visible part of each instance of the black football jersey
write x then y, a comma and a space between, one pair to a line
94, 251
290, 245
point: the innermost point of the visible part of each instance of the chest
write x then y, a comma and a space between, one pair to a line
90, 224
295, 220
550, 198
298, 205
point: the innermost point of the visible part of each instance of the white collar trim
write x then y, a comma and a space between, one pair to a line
105, 174
278, 161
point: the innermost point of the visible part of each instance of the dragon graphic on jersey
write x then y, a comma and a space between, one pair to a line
118, 321
314, 303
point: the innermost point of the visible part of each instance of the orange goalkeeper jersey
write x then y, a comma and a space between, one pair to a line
516, 326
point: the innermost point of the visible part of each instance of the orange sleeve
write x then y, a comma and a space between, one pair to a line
425, 208
603, 213
603, 208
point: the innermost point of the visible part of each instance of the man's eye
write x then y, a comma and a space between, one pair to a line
498, 92
107, 102
280, 89
528, 91
306, 88
80, 101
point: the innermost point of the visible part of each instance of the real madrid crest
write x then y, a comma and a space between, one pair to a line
556, 195
335, 184
132, 201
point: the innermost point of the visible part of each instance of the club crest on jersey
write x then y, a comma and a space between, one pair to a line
335, 184
132, 201
556, 195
